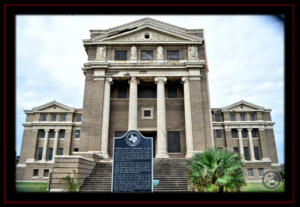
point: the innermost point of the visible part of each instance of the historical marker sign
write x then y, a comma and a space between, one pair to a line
132, 163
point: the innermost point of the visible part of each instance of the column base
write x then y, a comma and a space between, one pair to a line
104, 155
189, 155
161, 156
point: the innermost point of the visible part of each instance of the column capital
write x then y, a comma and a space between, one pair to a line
56, 130
261, 129
239, 129
249, 129
109, 80
185, 79
134, 80
46, 130
160, 79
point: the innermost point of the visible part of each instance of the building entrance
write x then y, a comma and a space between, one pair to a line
152, 134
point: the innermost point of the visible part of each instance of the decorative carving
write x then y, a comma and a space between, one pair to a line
109, 80
134, 80
160, 79
160, 55
101, 53
193, 52
133, 53
185, 80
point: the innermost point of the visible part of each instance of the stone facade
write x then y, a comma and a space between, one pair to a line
149, 76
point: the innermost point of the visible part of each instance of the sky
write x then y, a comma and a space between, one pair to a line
245, 55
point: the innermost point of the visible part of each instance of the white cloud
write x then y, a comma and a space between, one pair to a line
245, 57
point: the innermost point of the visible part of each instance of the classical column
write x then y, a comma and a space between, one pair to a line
242, 154
188, 117
132, 112
161, 151
105, 118
252, 158
45, 145
55, 142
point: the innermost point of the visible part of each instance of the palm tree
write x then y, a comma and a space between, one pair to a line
72, 182
216, 170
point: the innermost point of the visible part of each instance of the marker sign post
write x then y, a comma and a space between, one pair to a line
132, 163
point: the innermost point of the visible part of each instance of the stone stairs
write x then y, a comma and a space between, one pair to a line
99, 179
171, 173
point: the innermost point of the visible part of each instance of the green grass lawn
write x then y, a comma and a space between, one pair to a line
259, 187
31, 187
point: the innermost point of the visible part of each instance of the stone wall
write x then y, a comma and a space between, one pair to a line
64, 166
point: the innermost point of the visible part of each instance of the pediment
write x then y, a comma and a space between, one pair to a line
243, 106
137, 34
53, 107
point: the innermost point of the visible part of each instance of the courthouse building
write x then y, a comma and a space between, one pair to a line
149, 76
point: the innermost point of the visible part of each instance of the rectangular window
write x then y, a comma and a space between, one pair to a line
252, 116
122, 92
121, 55
147, 54
50, 153
60, 151
46, 173
172, 92
146, 92
246, 153
236, 150
234, 133
63, 117
232, 117
76, 149
61, 133
51, 133
41, 133
254, 133
219, 133
147, 113
53, 117
256, 153
119, 133
40, 153
77, 133
217, 117
250, 172
260, 172
173, 141
243, 116
78, 118
244, 133
44, 117
35, 172
173, 54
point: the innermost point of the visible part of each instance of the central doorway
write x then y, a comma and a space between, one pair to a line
152, 134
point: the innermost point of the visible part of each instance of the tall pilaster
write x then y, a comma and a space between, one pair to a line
242, 154
45, 145
161, 151
55, 142
133, 106
252, 158
105, 118
263, 143
188, 117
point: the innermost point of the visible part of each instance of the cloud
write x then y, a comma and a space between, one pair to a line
245, 57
